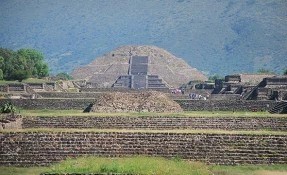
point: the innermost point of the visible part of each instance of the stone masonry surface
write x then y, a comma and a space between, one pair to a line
158, 123
225, 105
44, 148
187, 105
59, 104
10, 121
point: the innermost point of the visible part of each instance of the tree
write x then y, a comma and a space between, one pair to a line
22, 64
37, 66
1, 74
264, 71
214, 77
20, 75
64, 76
285, 72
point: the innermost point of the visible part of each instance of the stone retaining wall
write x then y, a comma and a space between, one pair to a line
122, 90
69, 94
60, 104
34, 148
187, 105
225, 105
145, 122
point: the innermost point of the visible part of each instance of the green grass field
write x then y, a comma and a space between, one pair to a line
145, 166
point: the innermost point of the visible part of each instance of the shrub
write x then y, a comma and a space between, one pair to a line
8, 108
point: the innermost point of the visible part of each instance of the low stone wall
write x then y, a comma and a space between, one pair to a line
70, 94
225, 105
145, 122
122, 90
225, 97
35, 148
61, 104
187, 105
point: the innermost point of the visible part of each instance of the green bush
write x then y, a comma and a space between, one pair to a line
8, 108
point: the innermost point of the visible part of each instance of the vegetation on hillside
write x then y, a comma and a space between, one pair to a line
63, 76
215, 77
22, 64
7, 108
264, 71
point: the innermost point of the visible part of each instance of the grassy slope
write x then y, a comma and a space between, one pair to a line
52, 113
145, 165
250, 170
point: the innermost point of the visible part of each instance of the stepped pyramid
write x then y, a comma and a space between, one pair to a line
161, 65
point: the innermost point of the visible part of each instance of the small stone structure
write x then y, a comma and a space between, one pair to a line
10, 121
149, 101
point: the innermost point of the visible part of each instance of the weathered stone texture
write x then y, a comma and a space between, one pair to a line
70, 94
225, 105
187, 105
10, 121
61, 104
155, 122
34, 148
149, 101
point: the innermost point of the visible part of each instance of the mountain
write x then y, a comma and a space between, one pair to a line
215, 36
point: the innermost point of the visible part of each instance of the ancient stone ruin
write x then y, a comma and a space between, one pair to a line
105, 70
149, 101
10, 121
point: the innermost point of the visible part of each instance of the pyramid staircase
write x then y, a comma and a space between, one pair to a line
138, 77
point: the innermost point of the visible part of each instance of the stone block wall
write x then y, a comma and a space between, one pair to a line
122, 90
225, 105
187, 105
10, 121
158, 123
225, 97
44, 148
61, 104
69, 95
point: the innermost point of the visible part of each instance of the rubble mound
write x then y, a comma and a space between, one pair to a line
149, 101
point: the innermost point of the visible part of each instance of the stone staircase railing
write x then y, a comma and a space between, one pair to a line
250, 94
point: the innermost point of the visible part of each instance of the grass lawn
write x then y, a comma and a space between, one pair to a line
145, 166
250, 170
